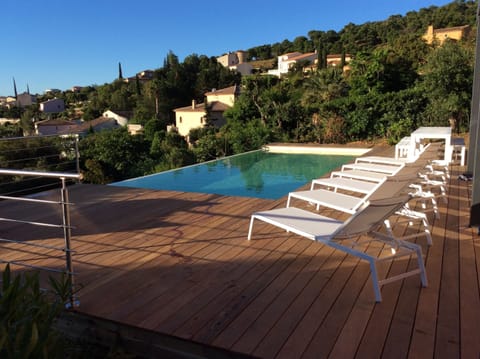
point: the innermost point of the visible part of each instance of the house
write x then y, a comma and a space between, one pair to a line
143, 76
25, 99
55, 105
121, 117
440, 35
9, 121
54, 127
83, 127
232, 58
197, 115
7, 101
236, 61
135, 129
289, 60
336, 59
49, 91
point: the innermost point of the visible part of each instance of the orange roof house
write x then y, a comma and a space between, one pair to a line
197, 114
440, 35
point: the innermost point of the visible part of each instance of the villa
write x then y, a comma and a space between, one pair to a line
440, 35
289, 60
211, 112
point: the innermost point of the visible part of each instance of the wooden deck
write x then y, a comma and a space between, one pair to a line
179, 265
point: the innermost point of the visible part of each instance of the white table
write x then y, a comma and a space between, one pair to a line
402, 147
458, 145
421, 133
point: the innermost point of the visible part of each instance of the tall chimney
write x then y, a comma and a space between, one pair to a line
193, 104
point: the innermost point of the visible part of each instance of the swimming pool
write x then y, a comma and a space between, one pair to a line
253, 174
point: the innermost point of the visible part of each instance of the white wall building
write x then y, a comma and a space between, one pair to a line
55, 105
287, 61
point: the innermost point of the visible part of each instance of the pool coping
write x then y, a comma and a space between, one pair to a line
316, 149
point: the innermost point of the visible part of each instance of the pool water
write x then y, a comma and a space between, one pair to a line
253, 174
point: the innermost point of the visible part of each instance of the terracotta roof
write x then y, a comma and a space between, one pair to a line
300, 57
291, 53
218, 106
200, 107
337, 56
232, 90
55, 122
85, 126
448, 29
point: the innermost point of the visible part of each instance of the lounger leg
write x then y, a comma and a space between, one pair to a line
435, 208
250, 227
388, 227
426, 226
421, 266
376, 285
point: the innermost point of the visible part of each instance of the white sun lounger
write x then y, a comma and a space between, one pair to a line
389, 170
347, 184
330, 199
364, 187
360, 175
344, 235
381, 160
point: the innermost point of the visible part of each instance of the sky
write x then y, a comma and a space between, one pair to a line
57, 44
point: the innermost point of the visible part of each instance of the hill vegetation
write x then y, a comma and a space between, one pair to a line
396, 82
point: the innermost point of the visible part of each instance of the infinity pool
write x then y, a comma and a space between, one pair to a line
253, 174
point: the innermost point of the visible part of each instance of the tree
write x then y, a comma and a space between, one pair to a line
114, 155
15, 89
447, 83
324, 85
27, 120
120, 75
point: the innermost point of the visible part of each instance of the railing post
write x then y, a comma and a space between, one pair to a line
77, 155
67, 236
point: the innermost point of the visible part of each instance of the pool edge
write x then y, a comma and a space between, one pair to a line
273, 148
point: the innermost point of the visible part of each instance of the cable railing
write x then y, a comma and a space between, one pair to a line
65, 226
48, 153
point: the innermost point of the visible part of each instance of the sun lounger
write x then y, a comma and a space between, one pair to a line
388, 170
347, 184
364, 187
326, 198
360, 175
345, 236
381, 160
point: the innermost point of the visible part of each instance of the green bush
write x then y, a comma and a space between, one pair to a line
27, 317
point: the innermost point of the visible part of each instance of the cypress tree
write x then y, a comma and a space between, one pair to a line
120, 76
15, 88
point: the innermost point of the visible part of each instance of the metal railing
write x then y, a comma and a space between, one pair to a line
65, 225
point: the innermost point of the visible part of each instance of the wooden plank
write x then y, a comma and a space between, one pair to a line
469, 279
298, 341
447, 343
364, 332
184, 325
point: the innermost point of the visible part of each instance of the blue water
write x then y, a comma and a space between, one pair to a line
254, 174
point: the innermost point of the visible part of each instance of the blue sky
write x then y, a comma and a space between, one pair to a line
62, 43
